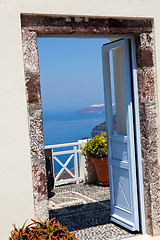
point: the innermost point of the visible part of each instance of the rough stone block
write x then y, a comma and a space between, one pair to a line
148, 125
52, 30
152, 207
91, 26
144, 58
149, 137
45, 21
41, 208
39, 180
36, 132
151, 168
127, 26
47, 24
148, 212
150, 153
30, 52
33, 90
155, 206
144, 40
146, 85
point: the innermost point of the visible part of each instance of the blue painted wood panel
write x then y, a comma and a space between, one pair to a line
121, 145
119, 151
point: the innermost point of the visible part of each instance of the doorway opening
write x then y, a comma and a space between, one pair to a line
69, 199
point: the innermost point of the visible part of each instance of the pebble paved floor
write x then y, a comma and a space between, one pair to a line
86, 209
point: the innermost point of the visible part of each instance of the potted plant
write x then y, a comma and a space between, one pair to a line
96, 150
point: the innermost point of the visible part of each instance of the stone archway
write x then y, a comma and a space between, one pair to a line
32, 25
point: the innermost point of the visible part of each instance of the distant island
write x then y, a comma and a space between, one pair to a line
100, 128
97, 130
95, 108
100, 108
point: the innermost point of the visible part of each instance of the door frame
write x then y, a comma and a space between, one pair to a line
142, 29
137, 138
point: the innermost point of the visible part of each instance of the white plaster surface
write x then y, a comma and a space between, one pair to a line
143, 237
16, 202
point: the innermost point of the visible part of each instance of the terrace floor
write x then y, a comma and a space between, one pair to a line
85, 208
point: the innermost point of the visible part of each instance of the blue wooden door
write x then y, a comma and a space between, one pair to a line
120, 133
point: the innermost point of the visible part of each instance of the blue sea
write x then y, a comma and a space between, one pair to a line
65, 127
68, 126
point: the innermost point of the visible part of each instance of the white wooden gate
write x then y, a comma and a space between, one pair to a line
73, 156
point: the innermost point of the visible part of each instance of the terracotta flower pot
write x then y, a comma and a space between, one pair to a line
101, 166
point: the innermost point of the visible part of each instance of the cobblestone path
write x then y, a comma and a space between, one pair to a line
86, 209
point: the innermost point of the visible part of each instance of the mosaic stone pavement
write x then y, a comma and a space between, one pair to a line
86, 209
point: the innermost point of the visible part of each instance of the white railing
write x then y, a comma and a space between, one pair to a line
75, 176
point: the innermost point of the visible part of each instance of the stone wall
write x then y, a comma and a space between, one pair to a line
142, 30
32, 80
149, 129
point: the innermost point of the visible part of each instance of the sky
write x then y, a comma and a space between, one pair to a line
71, 73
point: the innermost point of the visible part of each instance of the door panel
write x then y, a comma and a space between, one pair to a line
120, 133
118, 81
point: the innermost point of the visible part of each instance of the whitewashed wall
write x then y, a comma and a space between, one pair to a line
16, 201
